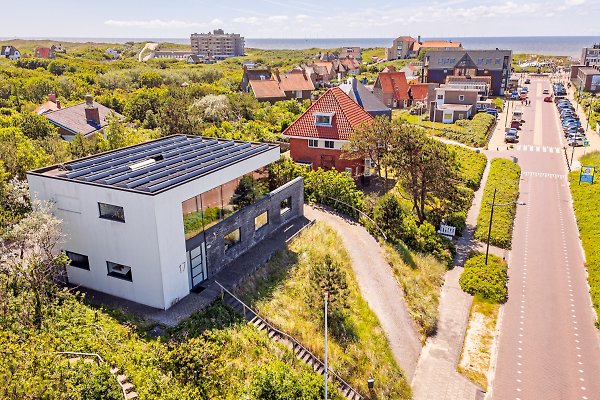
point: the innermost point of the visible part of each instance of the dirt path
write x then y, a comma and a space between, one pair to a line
378, 287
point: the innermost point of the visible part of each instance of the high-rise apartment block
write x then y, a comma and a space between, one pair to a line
217, 44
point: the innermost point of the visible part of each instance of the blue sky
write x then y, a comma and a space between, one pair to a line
300, 19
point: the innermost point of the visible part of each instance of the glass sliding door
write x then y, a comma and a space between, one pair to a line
197, 259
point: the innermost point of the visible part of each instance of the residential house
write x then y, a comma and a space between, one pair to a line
438, 65
58, 49
408, 47
412, 72
112, 53
365, 98
195, 59
327, 56
266, 90
51, 105
317, 136
588, 79
254, 74
482, 83
350, 52
295, 84
452, 104
328, 69
45, 52
86, 118
392, 89
351, 66
10, 52
590, 56
420, 94
151, 222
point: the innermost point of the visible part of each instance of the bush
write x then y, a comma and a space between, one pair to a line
471, 165
277, 381
489, 282
472, 132
504, 177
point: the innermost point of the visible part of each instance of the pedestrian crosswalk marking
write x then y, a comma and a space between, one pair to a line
543, 175
542, 149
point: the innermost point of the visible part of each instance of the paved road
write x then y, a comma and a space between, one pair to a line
378, 286
548, 346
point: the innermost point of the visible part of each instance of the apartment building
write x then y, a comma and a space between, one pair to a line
590, 56
218, 44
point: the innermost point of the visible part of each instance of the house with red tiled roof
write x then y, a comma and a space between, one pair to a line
392, 89
44, 52
317, 136
295, 84
407, 47
421, 93
52, 104
266, 90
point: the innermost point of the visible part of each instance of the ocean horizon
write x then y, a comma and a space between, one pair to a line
547, 45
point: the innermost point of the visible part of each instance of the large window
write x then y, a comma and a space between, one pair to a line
261, 220
112, 212
119, 271
78, 260
329, 144
232, 238
313, 143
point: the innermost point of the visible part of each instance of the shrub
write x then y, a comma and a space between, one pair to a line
486, 281
504, 177
277, 381
471, 165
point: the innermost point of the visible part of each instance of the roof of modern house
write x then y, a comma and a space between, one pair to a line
158, 165
455, 107
346, 117
436, 44
407, 38
8, 50
479, 58
395, 83
73, 118
266, 89
257, 72
43, 52
326, 64
589, 70
362, 96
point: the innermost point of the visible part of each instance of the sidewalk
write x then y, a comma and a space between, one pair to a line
436, 376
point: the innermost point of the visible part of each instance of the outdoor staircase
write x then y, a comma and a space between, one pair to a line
92, 358
299, 350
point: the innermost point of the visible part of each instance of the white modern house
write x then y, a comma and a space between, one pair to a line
151, 222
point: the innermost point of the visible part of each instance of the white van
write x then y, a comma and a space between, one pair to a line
518, 115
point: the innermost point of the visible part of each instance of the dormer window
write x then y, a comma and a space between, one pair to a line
323, 119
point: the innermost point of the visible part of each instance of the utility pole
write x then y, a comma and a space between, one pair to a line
326, 368
487, 250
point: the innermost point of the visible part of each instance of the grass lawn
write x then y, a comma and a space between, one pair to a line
504, 176
282, 292
421, 278
471, 165
477, 348
586, 202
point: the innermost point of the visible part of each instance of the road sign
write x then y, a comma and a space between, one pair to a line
447, 231
586, 174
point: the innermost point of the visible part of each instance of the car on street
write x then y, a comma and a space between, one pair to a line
546, 91
576, 141
511, 136
568, 121
527, 81
492, 111
548, 99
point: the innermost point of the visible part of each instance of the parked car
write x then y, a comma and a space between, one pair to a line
511, 136
576, 141
527, 81
492, 111
548, 99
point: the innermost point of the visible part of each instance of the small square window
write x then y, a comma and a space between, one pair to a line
329, 144
232, 238
323, 119
440, 97
78, 260
285, 205
461, 98
119, 271
348, 170
261, 220
313, 143
109, 211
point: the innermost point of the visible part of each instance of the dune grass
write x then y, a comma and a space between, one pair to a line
586, 203
421, 278
280, 292
504, 176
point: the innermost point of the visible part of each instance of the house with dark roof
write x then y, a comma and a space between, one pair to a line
86, 118
10, 52
496, 64
153, 222
392, 89
365, 98
317, 136
45, 52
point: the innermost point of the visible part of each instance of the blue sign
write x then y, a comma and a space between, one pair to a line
587, 174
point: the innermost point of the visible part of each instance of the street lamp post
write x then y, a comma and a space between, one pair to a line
493, 204
326, 368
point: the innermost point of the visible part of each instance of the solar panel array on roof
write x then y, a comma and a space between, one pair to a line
161, 164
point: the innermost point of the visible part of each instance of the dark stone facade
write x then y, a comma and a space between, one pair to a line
217, 256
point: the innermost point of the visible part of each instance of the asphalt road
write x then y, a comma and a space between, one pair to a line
548, 345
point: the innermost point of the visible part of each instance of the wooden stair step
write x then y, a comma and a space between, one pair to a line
127, 386
114, 370
131, 396
122, 378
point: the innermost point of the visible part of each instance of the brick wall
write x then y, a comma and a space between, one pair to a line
216, 255
323, 158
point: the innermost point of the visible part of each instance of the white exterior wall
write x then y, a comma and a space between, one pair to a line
151, 240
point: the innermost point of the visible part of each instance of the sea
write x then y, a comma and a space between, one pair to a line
547, 45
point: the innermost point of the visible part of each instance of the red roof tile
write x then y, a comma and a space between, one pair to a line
295, 80
48, 106
419, 91
434, 44
266, 89
394, 82
347, 116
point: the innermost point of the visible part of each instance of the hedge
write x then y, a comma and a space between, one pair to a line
504, 176
471, 165
488, 282
586, 202
472, 132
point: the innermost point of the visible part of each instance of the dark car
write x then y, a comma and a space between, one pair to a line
548, 99
527, 81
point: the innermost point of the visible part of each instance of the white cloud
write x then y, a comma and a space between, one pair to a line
570, 3
278, 18
216, 21
152, 24
246, 20
302, 17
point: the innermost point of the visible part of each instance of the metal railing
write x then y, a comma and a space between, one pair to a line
296, 345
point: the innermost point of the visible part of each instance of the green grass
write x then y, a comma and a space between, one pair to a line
504, 176
586, 203
280, 292
421, 278
471, 165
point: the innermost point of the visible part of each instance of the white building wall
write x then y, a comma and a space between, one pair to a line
132, 243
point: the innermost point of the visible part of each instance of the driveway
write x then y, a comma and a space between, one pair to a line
378, 287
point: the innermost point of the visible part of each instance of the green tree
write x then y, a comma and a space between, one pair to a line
115, 133
20, 153
151, 79
247, 192
34, 126
326, 276
215, 107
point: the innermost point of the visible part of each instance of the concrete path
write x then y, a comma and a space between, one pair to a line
378, 287
436, 377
